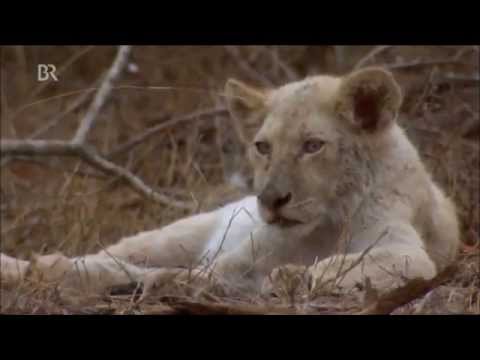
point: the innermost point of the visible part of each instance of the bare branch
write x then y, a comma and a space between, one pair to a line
94, 159
56, 119
287, 69
90, 156
38, 147
370, 55
185, 306
42, 148
461, 79
414, 289
59, 72
157, 128
246, 67
419, 63
77, 146
405, 65
102, 94
52, 123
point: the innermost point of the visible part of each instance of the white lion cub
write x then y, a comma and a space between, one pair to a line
340, 193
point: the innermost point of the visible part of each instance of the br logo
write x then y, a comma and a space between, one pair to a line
46, 72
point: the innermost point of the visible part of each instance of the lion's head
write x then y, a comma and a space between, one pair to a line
309, 142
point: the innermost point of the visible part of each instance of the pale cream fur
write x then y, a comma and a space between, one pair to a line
365, 195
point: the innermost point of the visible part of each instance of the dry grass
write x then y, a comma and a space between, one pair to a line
50, 204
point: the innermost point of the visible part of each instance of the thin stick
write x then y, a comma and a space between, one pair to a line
38, 147
370, 55
102, 95
287, 69
184, 306
77, 147
90, 156
94, 159
418, 63
246, 67
158, 128
405, 294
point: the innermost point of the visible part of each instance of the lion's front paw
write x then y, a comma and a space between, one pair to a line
12, 271
51, 268
157, 279
287, 280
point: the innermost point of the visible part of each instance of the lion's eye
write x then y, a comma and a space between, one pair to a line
313, 145
263, 147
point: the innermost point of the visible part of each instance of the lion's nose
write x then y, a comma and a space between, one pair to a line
273, 199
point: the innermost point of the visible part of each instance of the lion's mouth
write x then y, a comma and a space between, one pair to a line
275, 217
283, 221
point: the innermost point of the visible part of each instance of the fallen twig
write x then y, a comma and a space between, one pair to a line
189, 307
401, 296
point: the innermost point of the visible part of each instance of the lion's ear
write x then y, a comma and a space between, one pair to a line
369, 99
247, 106
242, 99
